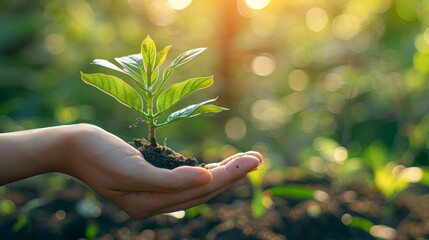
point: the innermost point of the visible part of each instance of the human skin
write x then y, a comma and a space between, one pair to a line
116, 170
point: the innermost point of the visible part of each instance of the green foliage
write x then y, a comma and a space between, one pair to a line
143, 69
197, 210
22, 221
292, 191
116, 88
358, 222
91, 230
192, 111
180, 90
148, 53
258, 207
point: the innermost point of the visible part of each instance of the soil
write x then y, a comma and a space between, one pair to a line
227, 216
162, 156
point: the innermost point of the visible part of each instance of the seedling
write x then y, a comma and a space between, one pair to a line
143, 69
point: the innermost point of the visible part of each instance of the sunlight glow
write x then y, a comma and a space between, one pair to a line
412, 174
340, 154
179, 214
264, 24
316, 19
179, 4
257, 4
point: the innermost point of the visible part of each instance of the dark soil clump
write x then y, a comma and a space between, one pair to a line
162, 156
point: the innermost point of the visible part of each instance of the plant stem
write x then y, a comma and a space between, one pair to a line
151, 117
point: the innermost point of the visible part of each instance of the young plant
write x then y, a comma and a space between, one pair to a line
143, 70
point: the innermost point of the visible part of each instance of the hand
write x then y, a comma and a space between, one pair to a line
118, 172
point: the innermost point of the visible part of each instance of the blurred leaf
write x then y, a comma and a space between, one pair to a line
22, 221
11, 105
197, 210
258, 208
116, 88
292, 191
376, 154
192, 111
7, 207
91, 230
362, 223
160, 56
256, 177
387, 183
34, 203
425, 177
180, 90
57, 182
149, 53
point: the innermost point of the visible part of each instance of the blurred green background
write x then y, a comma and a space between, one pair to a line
335, 90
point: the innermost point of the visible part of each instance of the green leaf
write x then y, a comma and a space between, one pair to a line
148, 53
180, 90
161, 56
137, 74
154, 77
179, 61
116, 88
192, 111
292, 191
187, 57
107, 64
133, 65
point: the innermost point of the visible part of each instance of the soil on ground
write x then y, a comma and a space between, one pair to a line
162, 156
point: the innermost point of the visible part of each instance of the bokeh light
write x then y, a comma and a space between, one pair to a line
316, 19
55, 43
298, 80
263, 65
179, 4
235, 129
257, 4
346, 26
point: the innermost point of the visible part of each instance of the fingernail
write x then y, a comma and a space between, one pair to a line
257, 155
205, 176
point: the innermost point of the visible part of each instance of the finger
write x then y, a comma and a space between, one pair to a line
212, 165
193, 202
222, 176
237, 155
249, 153
163, 180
